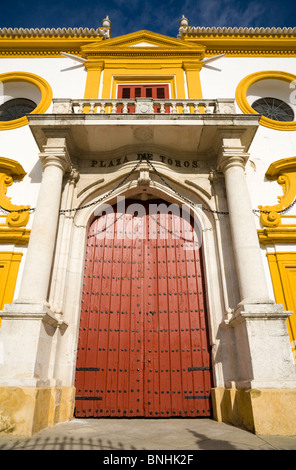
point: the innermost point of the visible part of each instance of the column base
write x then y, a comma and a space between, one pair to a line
24, 411
21, 309
263, 354
26, 345
262, 411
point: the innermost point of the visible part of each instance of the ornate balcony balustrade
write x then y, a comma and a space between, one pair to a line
143, 106
177, 126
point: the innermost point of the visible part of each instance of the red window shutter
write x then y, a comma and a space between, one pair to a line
126, 93
143, 91
138, 92
160, 93
148, 92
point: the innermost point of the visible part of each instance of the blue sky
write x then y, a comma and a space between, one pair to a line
161, 16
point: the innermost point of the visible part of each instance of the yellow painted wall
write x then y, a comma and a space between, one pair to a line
283, 273
162, 60
119, 75
9, 266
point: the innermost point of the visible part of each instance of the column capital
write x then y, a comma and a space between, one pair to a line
230, 157
230, 151
55, 152
94, 64
193, 66
55, 157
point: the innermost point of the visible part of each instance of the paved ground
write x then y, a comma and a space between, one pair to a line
146, 434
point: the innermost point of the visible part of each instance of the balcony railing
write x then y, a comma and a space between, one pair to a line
143, 106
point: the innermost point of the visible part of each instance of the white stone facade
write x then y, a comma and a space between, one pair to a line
67, 160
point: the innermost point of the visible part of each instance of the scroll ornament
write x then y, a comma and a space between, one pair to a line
284, 172
15, 215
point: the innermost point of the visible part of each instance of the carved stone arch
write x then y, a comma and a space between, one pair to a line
145, 181
84, 219
205, 218
210, 250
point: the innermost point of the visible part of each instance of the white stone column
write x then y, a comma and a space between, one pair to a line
263, 354
28, 325
250, 272
37, 271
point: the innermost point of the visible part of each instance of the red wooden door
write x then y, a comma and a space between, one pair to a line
143, 347
143, 91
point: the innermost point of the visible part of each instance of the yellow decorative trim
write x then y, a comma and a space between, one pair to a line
124, 61
18, 236
275, 235
40, 83
284, 172
243, 44
35, 44
282, 267
50, 43
94, 69
10, 171
9, 266
128, 45
241, 97
192, 70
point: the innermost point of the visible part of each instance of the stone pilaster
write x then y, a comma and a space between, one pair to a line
249, 266
37, 271
259, 323
28, 324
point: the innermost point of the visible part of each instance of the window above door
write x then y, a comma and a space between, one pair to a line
150, 91
154, 91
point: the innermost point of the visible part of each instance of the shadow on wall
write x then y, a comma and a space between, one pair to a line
36, 173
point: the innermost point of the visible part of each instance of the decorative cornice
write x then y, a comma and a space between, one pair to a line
127, 47
192, 30
138, 37
245, 42
205, 31
51, 32
46, 42
233, 41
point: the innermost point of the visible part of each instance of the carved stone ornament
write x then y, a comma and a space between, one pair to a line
284, 172
144, 106
11, 171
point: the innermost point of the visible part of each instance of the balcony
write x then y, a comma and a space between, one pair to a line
144, 106
101, 127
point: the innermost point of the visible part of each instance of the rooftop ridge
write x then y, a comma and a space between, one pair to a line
235, 30
183, 30
51, 31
